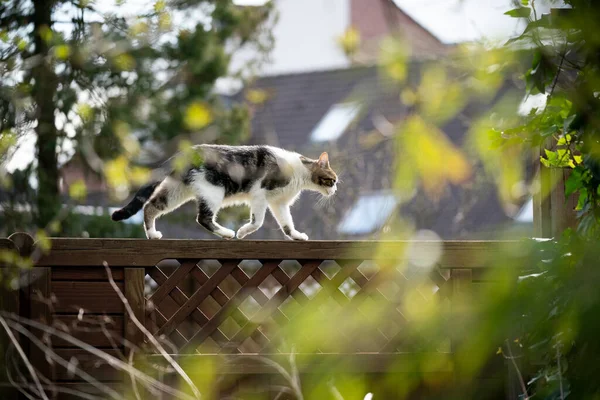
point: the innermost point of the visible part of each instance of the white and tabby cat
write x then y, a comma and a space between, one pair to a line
260, 176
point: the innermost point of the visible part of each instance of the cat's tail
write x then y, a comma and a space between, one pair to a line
136, 204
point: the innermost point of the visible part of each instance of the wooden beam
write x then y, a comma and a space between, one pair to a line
145, 253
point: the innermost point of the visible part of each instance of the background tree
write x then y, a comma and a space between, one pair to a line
113, 84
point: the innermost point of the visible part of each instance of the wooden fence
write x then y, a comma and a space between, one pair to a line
237, 298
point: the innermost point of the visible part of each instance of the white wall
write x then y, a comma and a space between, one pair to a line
305, 36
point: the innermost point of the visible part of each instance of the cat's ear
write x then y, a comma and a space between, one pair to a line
323, 161
306, 161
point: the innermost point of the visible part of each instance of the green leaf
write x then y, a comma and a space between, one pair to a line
564, 140
543, 22
568, 122
582, 199
521, 12
551, 130
545, 162
525, 2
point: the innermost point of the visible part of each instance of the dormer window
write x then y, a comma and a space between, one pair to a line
335, 122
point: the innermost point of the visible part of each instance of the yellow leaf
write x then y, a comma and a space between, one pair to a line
349, 41
21, 44
499, 351
78, 190
46, 33
197, 116
115, 171
43, 241
139, 28
256, 96
139, 175
408, 97
164, 21
159, 6
124, 62
62, 52
54, 226
7, 141
394, 58
427, 154
85, 111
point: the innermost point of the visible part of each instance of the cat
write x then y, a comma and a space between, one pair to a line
259, 176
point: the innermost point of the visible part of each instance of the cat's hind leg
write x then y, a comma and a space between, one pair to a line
207, 215
258, 209
169, 195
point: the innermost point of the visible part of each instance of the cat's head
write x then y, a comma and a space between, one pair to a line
323, 179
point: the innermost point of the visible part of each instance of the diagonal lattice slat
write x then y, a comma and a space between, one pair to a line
221, 298
250, 286
271, 306
180, 298
197, 298
172, 281
241, 277
328, 287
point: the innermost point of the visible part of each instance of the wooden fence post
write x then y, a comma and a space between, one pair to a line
134, 293
40, 311
461, 280
553, 212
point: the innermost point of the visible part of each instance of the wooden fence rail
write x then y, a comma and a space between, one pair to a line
239, 298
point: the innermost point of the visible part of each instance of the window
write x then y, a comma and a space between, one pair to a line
368, 214
335, 122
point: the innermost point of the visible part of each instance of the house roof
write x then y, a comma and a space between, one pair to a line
296, 103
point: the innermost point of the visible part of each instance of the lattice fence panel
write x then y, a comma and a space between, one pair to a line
251, 306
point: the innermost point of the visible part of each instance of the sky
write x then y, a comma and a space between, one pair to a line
454, 21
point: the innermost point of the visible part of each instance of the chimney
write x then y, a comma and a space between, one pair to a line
377, 19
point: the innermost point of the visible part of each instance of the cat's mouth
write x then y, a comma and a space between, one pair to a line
330, 191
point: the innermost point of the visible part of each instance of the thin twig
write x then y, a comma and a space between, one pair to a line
150, 336
335, 392
133, 381
65, 390
64, 363
560, 382
521, 381
295, 376
30, 368
110, 360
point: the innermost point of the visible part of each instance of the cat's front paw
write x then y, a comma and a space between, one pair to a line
226, 233
299, 236
243, 232
154, 235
